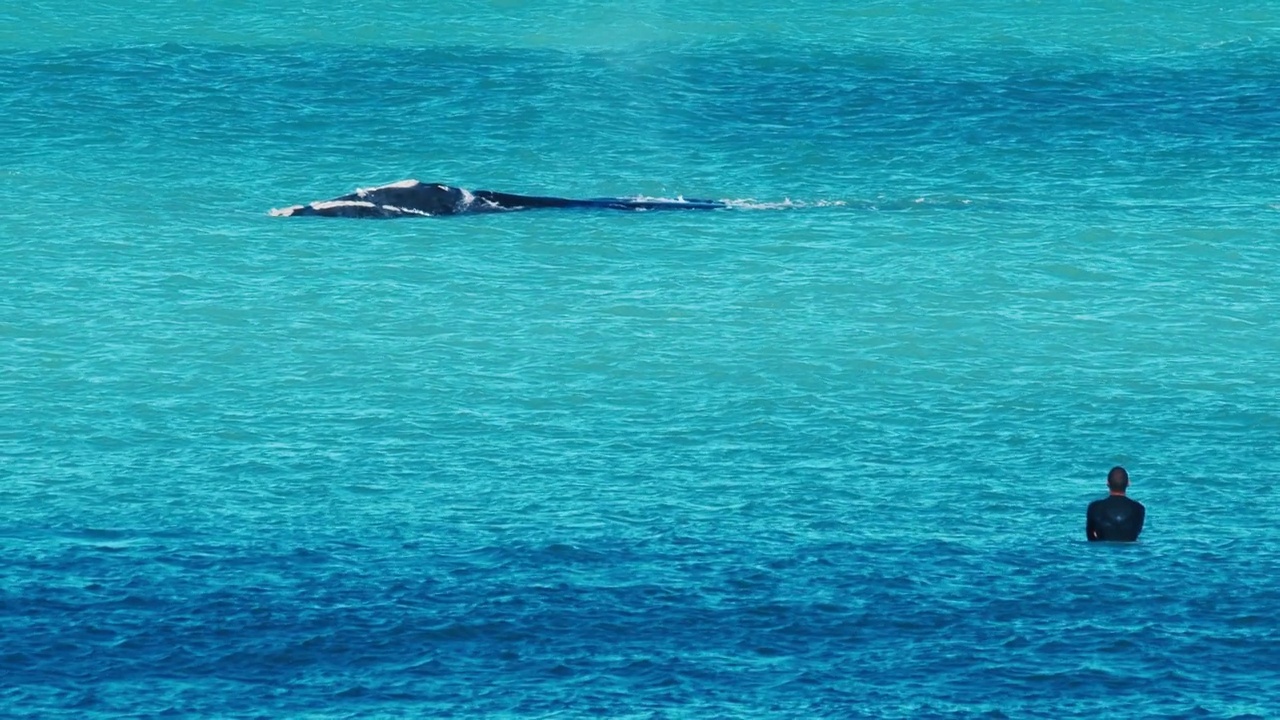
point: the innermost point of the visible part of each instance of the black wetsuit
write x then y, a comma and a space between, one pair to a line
1115, 518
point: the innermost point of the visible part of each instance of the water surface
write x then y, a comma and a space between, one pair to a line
825, 455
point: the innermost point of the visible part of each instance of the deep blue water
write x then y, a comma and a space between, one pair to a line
823, 455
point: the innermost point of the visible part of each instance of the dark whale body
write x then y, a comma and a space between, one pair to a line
413, 198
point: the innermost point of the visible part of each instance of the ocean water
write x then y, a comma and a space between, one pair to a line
822, 455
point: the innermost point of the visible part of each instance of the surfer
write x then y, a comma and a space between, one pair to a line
1115, 517
413, 198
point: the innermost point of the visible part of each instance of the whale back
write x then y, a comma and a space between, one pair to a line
415, 197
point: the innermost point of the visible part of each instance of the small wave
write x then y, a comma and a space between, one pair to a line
744, 203
786, 204
884, 204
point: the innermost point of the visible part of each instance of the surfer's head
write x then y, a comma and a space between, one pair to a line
1118, 480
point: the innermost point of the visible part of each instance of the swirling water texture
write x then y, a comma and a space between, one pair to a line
818, 461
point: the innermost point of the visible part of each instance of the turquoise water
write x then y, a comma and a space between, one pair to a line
823, 455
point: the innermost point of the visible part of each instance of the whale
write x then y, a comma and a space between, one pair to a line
412, 198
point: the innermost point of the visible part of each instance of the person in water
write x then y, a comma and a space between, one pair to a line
1116, 517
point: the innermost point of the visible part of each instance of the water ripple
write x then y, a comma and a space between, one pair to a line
823, 462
